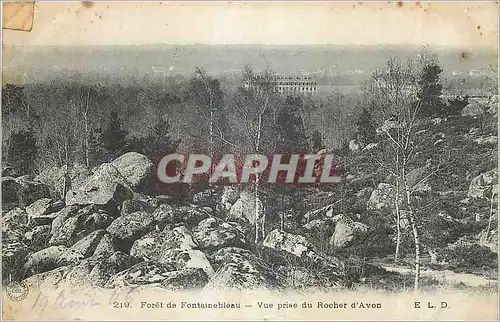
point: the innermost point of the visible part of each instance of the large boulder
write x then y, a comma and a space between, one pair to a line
72, 223
143, 273
299, 246
189, 216
482, 185
106, 186
176, 241
346, 231
164, 246
84, 248
240, 269
294, 244
14, 254
473, 109
130, 227
354, 145
16, 220
149, 246
134, 205
106, 246
43, 211
22, 191
230, 195
38, 237
382, 197
213, 234
493, 106
185, 279
247, 208
136, 168
92, 271
44, 260
57, 178
194, 258
489, 239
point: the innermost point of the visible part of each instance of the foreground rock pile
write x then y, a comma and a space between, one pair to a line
108, 232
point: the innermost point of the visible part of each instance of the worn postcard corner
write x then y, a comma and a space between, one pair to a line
18, 15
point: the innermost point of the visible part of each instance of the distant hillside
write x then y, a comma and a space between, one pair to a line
120, 62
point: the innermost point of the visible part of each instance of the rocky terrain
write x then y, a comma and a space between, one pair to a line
111, 229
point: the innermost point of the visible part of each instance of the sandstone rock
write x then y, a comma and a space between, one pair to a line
213, 234
15, 220
140, 274
149, 246
382, 197
22, 192
136, 168
489, 240
107, 185
492, 140
105, 269
481, 186
43, 211
106, 246
38, 237
194, 258
44, 260
131, 227
55, 177
71, 224
42, 207
244, 208
229, 197
176, 241
190, 216
473, 109
84, 248
354, 146
290, 243
299, 246
14, 254
133, 205
346, 231
186, 279
239, 269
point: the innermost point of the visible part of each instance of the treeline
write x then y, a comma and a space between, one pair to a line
58, 123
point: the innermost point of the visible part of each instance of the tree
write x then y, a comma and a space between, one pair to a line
22, 151
430, 88
157, 143
317, 141
114, 136
366, 128
391, 92
254, 123
207, 97
290, 129
96, 149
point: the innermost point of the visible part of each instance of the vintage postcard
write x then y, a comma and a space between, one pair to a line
198, 161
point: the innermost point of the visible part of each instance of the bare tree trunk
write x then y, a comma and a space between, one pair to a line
416, 239
491, 215
416, 235
257, 183
398, 222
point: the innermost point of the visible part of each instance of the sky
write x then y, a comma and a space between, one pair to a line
460, 24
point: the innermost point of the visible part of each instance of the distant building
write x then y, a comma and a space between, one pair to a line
287, 85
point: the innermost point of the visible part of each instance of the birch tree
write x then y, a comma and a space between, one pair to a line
255, 114
394, 95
